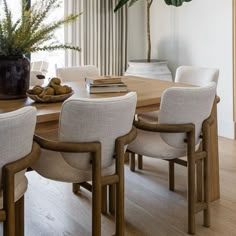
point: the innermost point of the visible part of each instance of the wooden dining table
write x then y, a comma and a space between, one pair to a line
149, 93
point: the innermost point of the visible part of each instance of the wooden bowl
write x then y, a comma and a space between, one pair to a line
50, 98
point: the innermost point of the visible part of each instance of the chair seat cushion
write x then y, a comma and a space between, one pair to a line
21, 184
149, 117
52, 165
152, 145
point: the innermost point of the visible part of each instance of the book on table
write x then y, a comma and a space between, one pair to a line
105, 84
103, 80
107, 88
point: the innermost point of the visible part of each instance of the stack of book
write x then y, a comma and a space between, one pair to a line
105, 84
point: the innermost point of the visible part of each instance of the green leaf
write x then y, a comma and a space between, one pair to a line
31, 32
120, 4
132, 2
176, 3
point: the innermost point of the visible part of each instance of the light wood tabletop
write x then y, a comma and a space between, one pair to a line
149, 93
148, 90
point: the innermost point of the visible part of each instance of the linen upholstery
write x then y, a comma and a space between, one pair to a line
52, 165
194, 75
151, 144
38, 68
183, 106
178, 106
70, 74
88, 120
16, 137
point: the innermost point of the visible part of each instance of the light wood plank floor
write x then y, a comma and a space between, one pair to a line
151, 209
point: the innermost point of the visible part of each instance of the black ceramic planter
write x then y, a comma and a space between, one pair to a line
14, 77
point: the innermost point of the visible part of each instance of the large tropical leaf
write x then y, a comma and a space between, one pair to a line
120, 4
176, 3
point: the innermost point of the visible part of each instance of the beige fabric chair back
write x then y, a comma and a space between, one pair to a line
40, 66
186, 105
71, 74
16, 135
102, 120
196, 75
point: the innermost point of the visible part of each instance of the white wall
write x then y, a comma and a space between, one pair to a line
198, 33
136, 33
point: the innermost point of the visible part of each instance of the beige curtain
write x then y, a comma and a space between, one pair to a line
101, 33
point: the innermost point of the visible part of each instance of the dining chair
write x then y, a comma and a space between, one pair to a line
93, 134
70, 74
194, 75
17, 152
184, 122
38, 68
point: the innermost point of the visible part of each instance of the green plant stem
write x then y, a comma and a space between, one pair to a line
149, 48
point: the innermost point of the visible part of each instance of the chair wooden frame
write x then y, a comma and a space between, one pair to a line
171, 163
193, 157
12, 213
98, 180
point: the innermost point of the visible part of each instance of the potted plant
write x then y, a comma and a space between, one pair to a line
30, 33
148, 67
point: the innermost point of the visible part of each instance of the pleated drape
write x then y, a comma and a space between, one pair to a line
101, 33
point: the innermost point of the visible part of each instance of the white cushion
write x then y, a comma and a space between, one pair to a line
69, 74
87, 120
183, 106
16, 135
52, 165
34, 80
195, 75
152, 145
102, 120
149, 117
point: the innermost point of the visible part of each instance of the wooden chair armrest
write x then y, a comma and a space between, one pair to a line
24, 162
60, 146
164, 128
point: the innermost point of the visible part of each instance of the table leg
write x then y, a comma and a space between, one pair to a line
214, 157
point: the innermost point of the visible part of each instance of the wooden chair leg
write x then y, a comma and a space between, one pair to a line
206, 174
191, 198
120, 217
199, 180
206, 212
75, 188
171, 176
19, 217
191, 183
9, 205
104, 199
112, 198
140, 162
96, 194
132, 162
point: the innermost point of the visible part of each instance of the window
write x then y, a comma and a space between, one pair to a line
54, 58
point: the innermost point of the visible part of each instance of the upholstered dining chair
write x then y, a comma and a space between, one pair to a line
194, 75
70, 74
17, 152
93, 134
184, 121
38, 68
